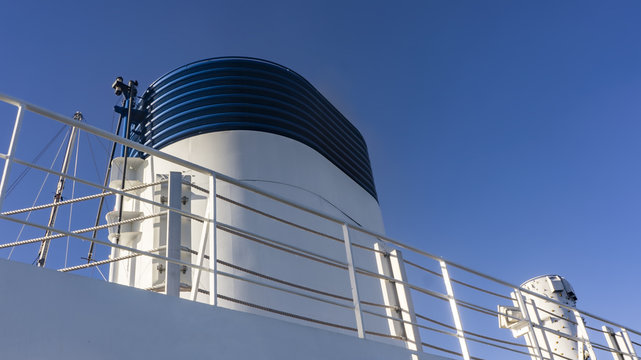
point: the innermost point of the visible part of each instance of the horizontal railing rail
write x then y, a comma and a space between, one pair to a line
418, 282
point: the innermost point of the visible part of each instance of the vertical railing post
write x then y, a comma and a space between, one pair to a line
10, 154
628, 343
614, 344
526, 317
213, 257
397, 297
405, 301
172, 275
454, 308
352, 280
583, 334
535, 316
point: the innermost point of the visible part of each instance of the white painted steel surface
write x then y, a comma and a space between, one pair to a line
620, 341
295, 172
455, 313
173, 237
552, 330
532, 338
84, 317
314, 224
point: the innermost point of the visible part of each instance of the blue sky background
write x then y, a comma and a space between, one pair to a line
503, 135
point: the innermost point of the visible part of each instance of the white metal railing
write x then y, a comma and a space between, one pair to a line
420, 325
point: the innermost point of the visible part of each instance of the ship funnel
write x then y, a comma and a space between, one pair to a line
271, 181
550, 328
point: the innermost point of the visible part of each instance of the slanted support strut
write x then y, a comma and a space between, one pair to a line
44, 245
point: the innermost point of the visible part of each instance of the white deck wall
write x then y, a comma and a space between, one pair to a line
51, 315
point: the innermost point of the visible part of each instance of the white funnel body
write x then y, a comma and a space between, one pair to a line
283, 167
261, 125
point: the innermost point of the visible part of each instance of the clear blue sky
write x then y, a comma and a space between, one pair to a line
503, 134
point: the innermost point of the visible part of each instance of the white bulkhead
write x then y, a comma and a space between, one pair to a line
286, 168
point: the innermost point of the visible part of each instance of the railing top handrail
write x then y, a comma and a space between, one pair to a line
100, 132
487, 277
151, 151
187, 164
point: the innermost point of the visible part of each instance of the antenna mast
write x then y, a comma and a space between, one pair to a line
44, 245
129, 92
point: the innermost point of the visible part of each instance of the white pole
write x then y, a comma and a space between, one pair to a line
352, 280
455, 314
583, 334
10, 154
532, 335
213, 257
172, 277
